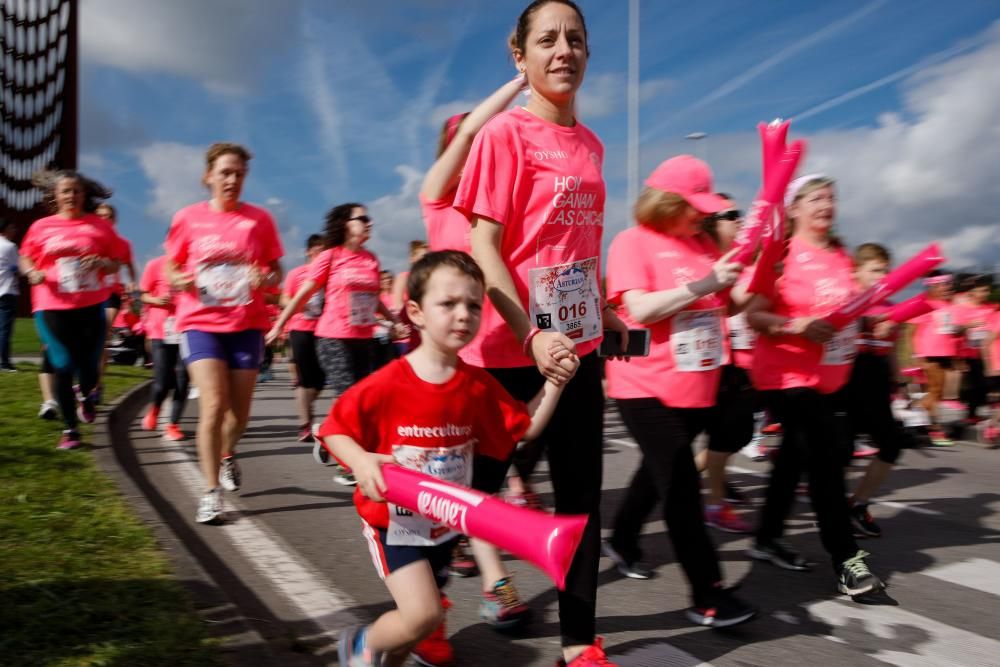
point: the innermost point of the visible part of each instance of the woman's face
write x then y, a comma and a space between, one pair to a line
105, 212
69, 196
555, 52
225, 178
726, 226
815, 211
359, 226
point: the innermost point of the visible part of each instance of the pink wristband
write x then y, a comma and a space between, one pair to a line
526, 345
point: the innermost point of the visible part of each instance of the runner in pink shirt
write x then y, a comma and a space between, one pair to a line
222, 256
66, 257
418, 248
533, 191
114, 302
799, 362
935, 343
669, 277
971, 315
990, 431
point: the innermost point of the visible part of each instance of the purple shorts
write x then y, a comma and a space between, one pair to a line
242, 350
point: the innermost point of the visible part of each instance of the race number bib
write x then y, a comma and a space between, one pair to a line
452, 464
363, 305
567, 299
944, 323
696, 339
975, 338
314, 306
224, 285
842, 348
741, 336
73, 277
170, 334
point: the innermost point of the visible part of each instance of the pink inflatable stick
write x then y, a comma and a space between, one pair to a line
547, 541
759, 218
898, 279
910, 309
772, 137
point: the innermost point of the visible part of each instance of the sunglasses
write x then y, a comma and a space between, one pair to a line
362, 218
732, 216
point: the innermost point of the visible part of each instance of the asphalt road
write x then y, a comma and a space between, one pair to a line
292, 566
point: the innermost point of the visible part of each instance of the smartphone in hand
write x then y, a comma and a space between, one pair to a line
638, 344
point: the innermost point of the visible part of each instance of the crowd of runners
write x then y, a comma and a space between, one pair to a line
486, 355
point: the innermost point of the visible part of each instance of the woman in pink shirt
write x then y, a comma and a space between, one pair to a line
669, 276
799, 362
67, 257
222, 257
533, 191
971, 315
991, 368
935, 343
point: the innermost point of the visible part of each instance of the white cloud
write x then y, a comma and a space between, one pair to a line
605, 94
397, 220
175, 173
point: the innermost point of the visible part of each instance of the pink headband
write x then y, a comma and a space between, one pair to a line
938, 280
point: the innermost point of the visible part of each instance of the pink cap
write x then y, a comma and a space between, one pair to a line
690, 178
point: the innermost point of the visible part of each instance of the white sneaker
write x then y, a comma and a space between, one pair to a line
48, 410
230, 475
210, 507
193, 392
753, 451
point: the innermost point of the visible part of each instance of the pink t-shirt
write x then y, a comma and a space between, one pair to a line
113, 279
543, 183
741, 336
350, 281
814, 283
971, 344
56, 244
307, 318
687, 349
220, 248
935, 334
154, 282
447, 229
994, 352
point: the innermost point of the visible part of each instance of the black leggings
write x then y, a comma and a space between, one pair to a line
869, 407
810, 443
974, 385
573, 440
668, 472
306, 362
73, 340
169, 373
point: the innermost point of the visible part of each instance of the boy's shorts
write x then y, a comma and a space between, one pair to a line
388, 558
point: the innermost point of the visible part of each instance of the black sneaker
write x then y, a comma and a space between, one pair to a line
630, 569
855, 577
864, 524
734, 496
724, 610
780, 553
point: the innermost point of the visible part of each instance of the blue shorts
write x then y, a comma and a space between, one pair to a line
241, 350
388, 558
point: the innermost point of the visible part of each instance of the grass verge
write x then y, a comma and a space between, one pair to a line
82, 581
25, 341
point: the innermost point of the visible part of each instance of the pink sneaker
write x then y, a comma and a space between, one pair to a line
69, 440
725, 519
592, 656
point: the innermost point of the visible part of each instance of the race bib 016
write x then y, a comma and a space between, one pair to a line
566, 298
73, 277
696, 339
223, 285
452, 464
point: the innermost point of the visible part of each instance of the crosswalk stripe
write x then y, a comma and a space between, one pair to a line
980, 574
659, 655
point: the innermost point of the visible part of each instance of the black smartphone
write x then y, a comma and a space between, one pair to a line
638, 344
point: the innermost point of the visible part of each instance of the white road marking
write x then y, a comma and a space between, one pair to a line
978, 573
930, 643
622, 442
658, 655
909, 507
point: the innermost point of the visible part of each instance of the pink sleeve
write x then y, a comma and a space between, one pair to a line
491, 173
292, 282
626, 269
123, 249
319, 269
177, 241
148, 280
274, 251
29, 245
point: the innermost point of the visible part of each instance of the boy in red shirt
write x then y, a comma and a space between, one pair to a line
448, 431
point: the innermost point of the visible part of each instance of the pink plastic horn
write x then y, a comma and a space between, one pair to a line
925, 260
545, 540
910, 309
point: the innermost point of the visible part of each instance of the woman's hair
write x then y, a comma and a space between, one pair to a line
46, 180
217, 150
417, 245
868, 252
808, 188
114, 211
519, 38
655, 207
335, 231
422, 269
448, 131
313, 241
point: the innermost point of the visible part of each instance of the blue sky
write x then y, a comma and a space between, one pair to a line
342, 101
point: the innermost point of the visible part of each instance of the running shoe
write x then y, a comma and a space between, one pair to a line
592, 656
527, 499
734, 495
48, 410
855, 577
70, 440
630, 569
780, 553
723, 610
98, 395
320, 454
353, 651
863, 448
989, 434
210, 507
939, 438
193, 393
864, 524
725, 519
435, 650
173, 433
343, 476
230, 474
305, 433
502, 607
7, 368
755, 450
771, 429
86, 411
462, 563
954, 405
152, 418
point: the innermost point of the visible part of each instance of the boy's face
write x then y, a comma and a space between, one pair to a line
871, 272
450, 313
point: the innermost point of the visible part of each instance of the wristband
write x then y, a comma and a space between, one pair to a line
526, 345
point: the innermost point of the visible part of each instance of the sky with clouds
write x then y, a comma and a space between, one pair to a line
342, 101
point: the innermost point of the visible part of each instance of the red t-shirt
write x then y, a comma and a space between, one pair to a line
447, 229
220, 248
350, 282
867, 341
305, 319
394, 412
